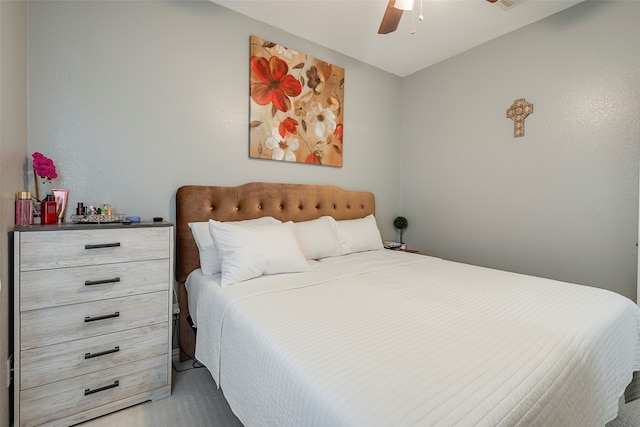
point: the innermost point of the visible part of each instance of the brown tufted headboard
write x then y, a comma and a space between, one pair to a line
287, 202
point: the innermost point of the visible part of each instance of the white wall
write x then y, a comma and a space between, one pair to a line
13, 148
560, 202
134, 99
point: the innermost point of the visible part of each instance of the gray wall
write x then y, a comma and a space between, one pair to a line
13, 148
134, 99
560, 202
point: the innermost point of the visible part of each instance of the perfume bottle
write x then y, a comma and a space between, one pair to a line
48, 213
24, 208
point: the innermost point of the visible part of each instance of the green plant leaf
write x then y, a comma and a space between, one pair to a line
400, 223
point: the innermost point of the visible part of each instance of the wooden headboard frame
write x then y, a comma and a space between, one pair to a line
286, 202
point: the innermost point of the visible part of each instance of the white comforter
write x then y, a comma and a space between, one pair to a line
386, 338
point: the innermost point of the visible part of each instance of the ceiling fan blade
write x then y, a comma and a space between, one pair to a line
391, 18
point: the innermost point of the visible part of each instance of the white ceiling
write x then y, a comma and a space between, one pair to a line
351, 26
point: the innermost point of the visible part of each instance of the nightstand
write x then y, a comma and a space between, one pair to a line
411, 251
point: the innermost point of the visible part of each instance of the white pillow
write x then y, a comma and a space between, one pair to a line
209, 259
248, 251
318, 238
361, 234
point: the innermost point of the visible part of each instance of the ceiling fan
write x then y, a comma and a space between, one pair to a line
393, 13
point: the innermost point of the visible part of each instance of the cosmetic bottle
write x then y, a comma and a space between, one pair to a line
24, 208
48, 213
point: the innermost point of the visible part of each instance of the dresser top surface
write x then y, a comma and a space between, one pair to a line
90, 226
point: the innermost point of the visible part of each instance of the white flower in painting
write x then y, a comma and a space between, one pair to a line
323, 120
287, 53
281, 148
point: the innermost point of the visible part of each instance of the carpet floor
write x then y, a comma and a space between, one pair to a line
196, 402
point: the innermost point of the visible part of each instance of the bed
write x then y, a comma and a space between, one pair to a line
373, 337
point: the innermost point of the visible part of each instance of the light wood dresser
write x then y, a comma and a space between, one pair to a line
92, 319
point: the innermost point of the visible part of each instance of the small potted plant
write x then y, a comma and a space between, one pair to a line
44, 168
401, 223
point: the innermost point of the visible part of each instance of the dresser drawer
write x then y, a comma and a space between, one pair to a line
56, 362
49, 288
72, 248
48, 326
64, 398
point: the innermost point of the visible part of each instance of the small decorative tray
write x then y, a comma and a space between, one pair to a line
97, 219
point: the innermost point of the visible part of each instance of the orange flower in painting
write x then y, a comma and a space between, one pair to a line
339, 132
314, 158
288, 125
274, 84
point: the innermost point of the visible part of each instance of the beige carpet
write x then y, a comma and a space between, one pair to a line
196, 402
628, 415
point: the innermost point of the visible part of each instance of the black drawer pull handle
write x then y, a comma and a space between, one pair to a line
101, 353
103, 245
88, 391
101, 282
106, 316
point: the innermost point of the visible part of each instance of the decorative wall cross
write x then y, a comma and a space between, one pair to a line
519, 111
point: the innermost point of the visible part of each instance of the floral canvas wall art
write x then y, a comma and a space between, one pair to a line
297, 106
